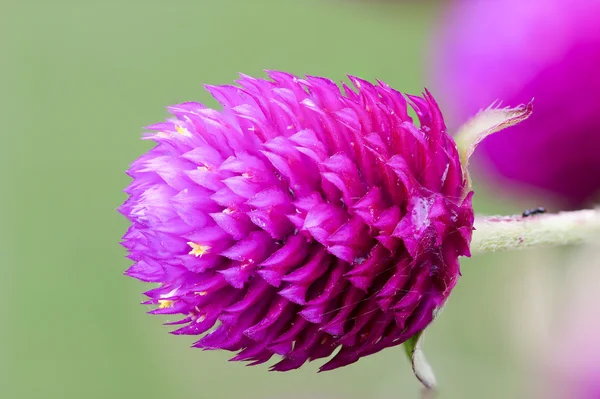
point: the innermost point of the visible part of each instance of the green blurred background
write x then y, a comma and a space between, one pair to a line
79, 80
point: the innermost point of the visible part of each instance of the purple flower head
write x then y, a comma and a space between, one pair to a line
512, 51
299, 219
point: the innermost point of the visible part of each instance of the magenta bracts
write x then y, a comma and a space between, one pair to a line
299, 219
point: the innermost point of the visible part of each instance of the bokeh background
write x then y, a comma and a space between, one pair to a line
79, 80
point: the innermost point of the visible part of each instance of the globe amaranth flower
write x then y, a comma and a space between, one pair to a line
513, 51
299, 220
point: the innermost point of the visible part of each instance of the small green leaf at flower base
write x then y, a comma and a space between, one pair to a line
422, 369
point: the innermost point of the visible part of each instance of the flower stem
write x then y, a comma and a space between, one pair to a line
505, 233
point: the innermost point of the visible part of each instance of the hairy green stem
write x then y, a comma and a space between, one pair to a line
506, 233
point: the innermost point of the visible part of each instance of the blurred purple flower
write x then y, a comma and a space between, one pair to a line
299, 219
513, 51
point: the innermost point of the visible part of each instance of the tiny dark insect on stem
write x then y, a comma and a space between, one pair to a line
535, 211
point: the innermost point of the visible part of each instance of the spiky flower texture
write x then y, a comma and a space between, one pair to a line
299, 219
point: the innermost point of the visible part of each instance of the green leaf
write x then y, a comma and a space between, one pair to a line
423, 371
